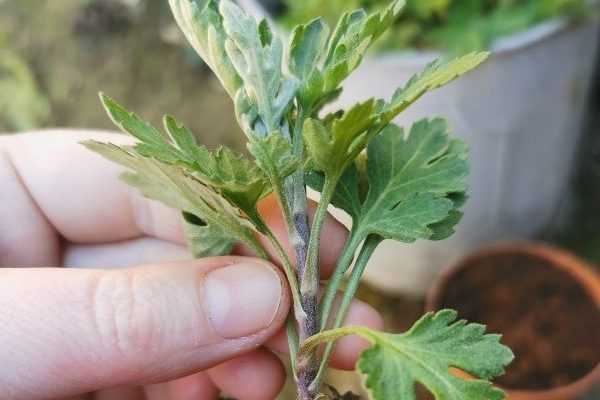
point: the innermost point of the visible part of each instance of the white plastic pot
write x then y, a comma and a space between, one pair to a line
521, 114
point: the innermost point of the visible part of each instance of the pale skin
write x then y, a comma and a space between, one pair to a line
99, 298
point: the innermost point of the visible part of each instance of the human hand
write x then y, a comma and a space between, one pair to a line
170, 328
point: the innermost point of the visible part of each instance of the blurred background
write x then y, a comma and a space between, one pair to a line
531, 116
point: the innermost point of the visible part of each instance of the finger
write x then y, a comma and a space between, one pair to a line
99, 208
158, 391
349, 348
76, 194
122, 393
69, 331
87, 396
22, 223
330, 249
254, 376
128, 253
193, 387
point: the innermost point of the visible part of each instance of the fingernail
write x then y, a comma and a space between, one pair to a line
241, 299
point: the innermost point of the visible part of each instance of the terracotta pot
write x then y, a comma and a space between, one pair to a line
582, 272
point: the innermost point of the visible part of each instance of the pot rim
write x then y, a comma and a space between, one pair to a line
580, 270
500, 47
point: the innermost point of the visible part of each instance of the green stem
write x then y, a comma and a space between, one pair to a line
293, 342
295, 191
310, 278
279, 189
297, 140
294, 213
332, 335
289, 272
295, 216
253, 241
291, 197
362, 260
333, 285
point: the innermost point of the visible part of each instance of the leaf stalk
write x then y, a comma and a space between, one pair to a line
335, 281
367, 250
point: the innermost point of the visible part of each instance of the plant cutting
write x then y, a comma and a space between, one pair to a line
395, 184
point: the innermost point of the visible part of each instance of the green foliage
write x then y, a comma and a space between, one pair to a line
324, 65
257, 57
170, 185
223, 183
410, 180
355, 32
307, 46
235, 177
335, 142
415, 181
425, 354
395, 185
245, 56
456, 26
275, 157
202, 25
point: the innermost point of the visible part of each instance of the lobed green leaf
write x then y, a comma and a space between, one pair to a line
235, 177
410, 180
426, 353
413, 185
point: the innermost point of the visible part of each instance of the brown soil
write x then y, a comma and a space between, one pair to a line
545, 316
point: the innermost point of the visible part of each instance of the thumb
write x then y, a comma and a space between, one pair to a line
72, 331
